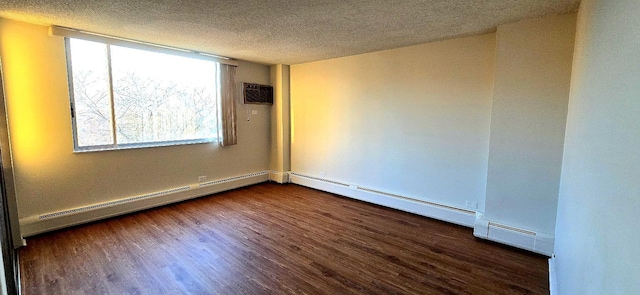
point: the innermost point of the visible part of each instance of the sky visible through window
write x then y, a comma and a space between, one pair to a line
156, 97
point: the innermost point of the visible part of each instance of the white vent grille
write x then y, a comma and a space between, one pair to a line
414, 200
319, 179
510, 235
112, 203
404, 203
214, 182
383, 193
511, 228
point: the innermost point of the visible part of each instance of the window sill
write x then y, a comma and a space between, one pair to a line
130, 146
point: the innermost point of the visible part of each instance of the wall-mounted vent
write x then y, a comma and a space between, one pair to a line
112, 203
257, 94
405, 203
231, 179
517, 237
36, 224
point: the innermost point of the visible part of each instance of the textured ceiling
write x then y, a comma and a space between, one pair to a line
286, 31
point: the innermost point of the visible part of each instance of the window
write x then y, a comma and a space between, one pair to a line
123, 97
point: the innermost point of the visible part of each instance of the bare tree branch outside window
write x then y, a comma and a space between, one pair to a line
151, 102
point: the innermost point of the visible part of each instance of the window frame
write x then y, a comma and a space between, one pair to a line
139, 46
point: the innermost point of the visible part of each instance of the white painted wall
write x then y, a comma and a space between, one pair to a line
597, 241
531, 92
412, 121
50, 177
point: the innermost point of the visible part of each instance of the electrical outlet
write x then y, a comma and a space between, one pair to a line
471, 205
254, 112
202, 178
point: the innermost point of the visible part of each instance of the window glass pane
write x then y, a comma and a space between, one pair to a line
91, 92
161, 97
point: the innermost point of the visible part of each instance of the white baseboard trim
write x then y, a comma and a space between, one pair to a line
41, 223
520, 238
429, 209
553, 283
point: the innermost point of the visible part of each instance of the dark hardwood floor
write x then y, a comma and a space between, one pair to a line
275, 239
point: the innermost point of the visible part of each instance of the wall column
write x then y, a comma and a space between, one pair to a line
531, 93
280, 124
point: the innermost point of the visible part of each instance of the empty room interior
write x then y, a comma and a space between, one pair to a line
320, 147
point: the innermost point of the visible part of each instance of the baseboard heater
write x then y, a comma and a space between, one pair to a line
405, 203
513, 236
37, 224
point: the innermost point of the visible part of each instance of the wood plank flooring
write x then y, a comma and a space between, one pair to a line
275, 239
